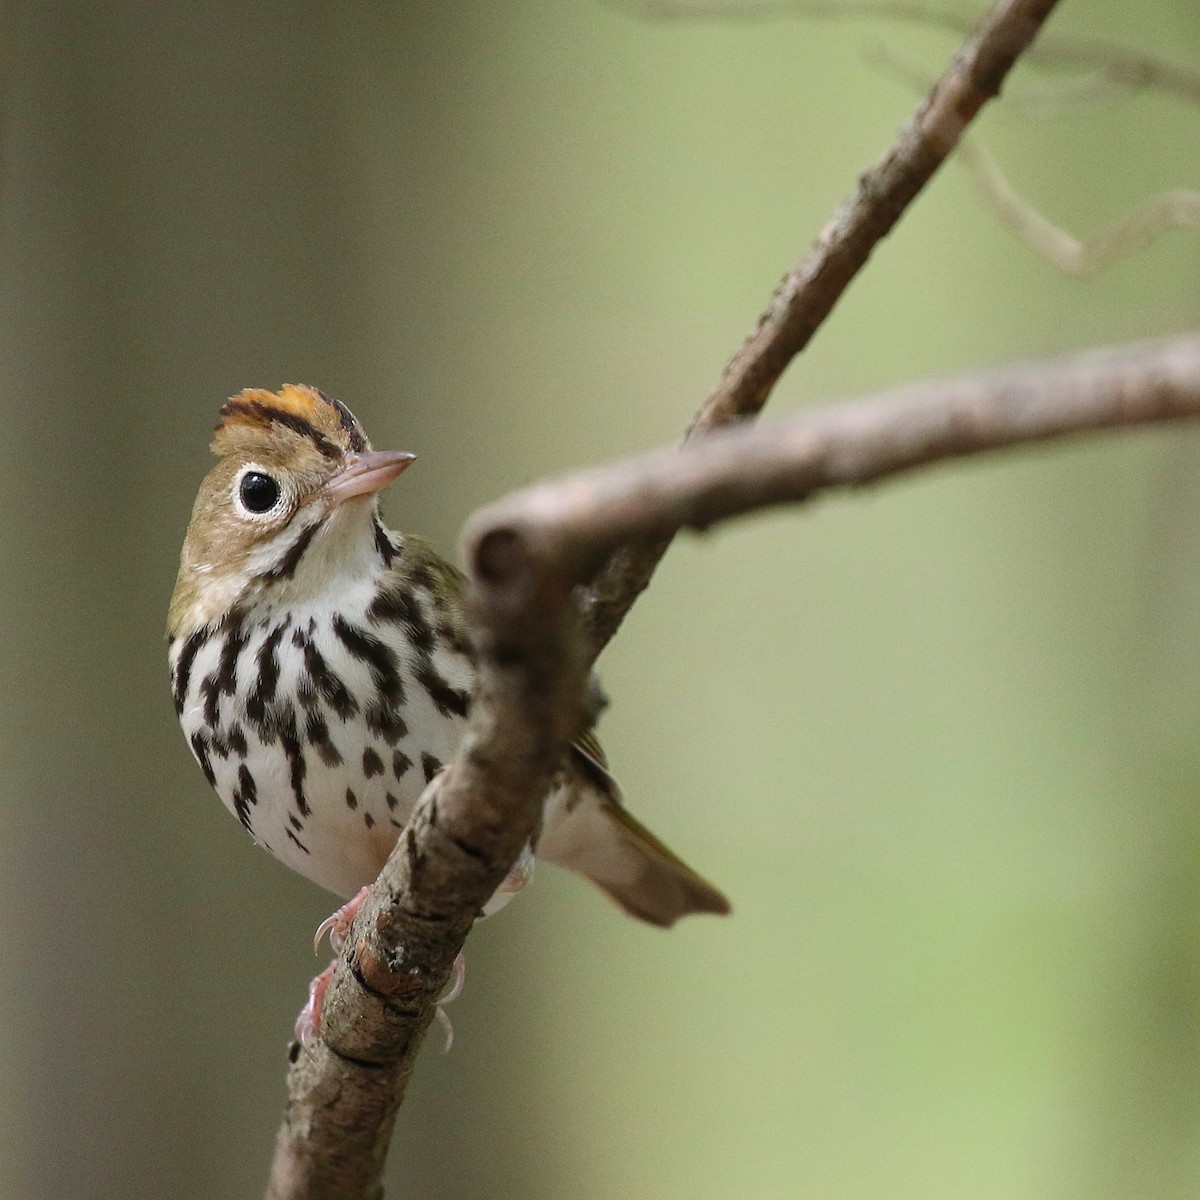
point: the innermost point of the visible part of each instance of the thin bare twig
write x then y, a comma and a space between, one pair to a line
1167, 211
1111, 66
809, 291
1106, 73
532, 666
1176, 209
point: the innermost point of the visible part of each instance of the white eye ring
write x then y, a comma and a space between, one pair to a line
257, 493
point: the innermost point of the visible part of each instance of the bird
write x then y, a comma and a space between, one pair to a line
322, 669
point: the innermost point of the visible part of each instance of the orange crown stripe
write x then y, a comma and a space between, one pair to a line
304, 410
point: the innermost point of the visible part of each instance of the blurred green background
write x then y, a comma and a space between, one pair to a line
940, 741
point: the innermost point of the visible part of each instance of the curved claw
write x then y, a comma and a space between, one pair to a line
337, 924
327, 926
460, 977
447, 1028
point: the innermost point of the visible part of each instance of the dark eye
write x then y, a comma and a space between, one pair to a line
258, 493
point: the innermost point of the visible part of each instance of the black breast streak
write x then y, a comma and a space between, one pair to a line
422, 576
449, 700
295, 839
386, 723
182, 674
266, 679
321, 679
453, 635
306, 693
382, 713
200, 750
223, 681
236, 740
378, 656
296, 765
316, 730
372, 764
244, 796
400, 607
430, 765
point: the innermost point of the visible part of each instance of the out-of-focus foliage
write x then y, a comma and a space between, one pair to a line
939, 741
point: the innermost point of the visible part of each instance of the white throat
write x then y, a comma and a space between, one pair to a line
340, 557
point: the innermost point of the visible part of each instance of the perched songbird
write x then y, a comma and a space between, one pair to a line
322, 671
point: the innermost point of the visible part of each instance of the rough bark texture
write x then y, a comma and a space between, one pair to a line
568, 524
530, 574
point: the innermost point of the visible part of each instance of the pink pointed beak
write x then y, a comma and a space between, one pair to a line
366, 474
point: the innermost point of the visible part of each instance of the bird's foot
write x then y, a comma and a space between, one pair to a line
457, 979
308, 1023
511, 884
337, 924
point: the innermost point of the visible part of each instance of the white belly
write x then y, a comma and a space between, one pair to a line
321, 750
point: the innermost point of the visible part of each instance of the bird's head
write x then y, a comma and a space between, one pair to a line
289, 508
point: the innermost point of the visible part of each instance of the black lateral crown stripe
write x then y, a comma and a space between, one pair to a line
290, 420
349, 422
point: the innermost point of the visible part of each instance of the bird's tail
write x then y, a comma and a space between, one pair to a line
591, 833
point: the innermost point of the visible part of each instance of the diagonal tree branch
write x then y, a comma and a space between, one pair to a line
343, 1092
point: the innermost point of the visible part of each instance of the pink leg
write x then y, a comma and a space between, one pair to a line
308, 1023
